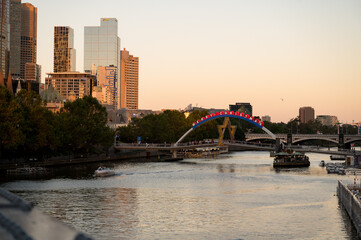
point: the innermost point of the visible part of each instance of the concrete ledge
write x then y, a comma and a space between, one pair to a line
352, 205
20, 220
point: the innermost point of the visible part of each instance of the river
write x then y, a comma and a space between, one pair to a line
234, 196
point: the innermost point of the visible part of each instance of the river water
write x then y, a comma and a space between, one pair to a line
234, 196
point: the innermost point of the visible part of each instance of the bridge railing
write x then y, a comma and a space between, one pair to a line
164, 145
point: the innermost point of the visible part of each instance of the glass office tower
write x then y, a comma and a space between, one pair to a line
102, 48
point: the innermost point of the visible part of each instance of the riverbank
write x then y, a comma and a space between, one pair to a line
68, 160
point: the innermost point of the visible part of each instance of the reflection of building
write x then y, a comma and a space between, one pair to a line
102, 48
266, 118
69, 84
28, 36
64, 52
306, 114
245, 108
106, 82
327, 120
129, 79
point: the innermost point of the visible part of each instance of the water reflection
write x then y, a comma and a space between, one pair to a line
240, 196
100, 211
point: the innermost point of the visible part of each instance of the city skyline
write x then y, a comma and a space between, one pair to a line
278, 55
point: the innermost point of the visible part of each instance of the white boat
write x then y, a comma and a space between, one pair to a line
104, 172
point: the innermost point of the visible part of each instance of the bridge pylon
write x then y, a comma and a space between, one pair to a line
278, 145
222, 129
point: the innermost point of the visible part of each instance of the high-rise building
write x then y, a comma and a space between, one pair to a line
102, 48
306, 114
64, 52
129, 80
32, 72
70, 84
15, 37
28, 36
245, 108
327, 120
4, 36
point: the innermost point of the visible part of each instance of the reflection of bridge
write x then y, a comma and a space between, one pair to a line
296, 138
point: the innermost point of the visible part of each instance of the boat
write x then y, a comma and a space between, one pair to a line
337, 158
290, 159
104, 172
338, 168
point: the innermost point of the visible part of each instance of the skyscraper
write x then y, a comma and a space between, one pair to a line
102, 48
4, 36
129, 80
28, 36
306, 114
15, 37
64, 52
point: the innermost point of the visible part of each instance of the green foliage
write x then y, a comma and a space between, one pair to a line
207, 130
84, 125
165, 127
28, 129
10, 118
36, 125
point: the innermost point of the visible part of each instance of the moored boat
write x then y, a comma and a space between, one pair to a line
337, 158
291, 159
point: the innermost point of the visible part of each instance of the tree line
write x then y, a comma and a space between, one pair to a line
169, 126
29, 130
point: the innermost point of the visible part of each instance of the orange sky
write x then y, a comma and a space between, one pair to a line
215, 53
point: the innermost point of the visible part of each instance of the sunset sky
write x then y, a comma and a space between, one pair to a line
278, 55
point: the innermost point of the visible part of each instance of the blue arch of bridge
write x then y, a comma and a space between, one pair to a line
226, 115
206, 119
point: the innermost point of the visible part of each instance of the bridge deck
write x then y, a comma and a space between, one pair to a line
236, 144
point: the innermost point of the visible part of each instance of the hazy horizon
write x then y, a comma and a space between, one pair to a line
277, 55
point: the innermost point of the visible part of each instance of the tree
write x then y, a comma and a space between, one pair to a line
84, 126
10, 118
36, 125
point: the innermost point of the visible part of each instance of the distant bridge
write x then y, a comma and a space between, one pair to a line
240, 145
296, 138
